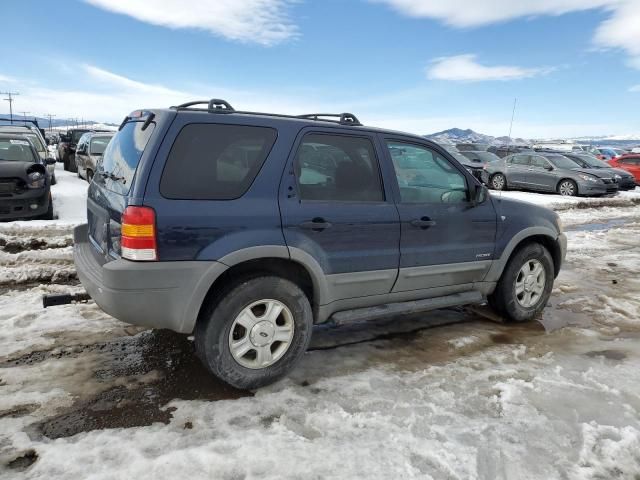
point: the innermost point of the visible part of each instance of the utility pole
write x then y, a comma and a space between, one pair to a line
24, 117
10, 96
50, 117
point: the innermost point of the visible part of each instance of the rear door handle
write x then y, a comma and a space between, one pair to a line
317, 225
424, 223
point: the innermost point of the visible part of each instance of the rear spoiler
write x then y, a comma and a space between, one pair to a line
139, 115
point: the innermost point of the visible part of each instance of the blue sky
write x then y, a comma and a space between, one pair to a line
415, 65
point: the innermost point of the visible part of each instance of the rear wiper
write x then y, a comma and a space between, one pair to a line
112, 177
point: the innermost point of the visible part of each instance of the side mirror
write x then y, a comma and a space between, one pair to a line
82, 150
548, 167
50, 161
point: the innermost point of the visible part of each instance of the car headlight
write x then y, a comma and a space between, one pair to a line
588, 178
617, 177
36, 180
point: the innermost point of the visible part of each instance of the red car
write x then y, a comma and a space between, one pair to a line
630, 163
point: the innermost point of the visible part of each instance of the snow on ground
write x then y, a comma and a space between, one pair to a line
442, 395
557, 202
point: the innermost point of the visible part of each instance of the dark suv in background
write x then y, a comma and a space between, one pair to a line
245, 229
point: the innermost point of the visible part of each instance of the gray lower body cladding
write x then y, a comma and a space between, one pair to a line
154, 294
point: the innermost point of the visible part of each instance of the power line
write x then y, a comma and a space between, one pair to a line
24, 117
10, 96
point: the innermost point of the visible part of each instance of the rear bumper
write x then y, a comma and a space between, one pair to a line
18, 207
152, 294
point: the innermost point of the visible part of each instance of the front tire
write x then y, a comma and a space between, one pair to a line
48, 215
499, 182
568, 188
256, 332
525, 285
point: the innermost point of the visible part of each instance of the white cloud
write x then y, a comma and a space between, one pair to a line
265, 22
465, 68
112, 96
472, 13
635, 88
6, 79
621, 30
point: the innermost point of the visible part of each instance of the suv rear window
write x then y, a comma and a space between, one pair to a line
122, 155
215, 162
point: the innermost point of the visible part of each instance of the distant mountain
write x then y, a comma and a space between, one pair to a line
55, 122
459, 135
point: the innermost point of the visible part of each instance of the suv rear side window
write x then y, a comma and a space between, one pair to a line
210, 161
338, 168
121, 158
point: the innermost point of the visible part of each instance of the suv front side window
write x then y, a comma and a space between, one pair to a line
425, 176
338, 168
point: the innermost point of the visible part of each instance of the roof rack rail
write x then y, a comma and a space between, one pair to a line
215, 105
344, 118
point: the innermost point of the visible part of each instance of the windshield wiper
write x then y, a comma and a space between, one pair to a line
113, 178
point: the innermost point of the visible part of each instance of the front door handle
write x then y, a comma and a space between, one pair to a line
423, 223
317, 224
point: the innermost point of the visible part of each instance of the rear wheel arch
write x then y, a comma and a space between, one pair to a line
284, 268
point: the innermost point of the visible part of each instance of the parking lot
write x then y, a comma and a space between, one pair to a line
445, 394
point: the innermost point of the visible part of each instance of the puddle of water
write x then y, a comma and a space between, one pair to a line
590, 227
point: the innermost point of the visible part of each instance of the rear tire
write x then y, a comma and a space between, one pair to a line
266, 358
525, 285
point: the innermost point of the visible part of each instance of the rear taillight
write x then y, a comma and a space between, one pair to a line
138, 234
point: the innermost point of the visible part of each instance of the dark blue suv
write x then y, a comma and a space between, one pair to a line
245, 229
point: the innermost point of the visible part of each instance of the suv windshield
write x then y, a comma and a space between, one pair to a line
122, 155
16, 150
562, 162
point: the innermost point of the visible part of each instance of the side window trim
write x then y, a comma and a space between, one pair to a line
377, 160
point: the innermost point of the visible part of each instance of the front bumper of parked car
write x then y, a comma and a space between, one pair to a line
31, 203
597, 188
